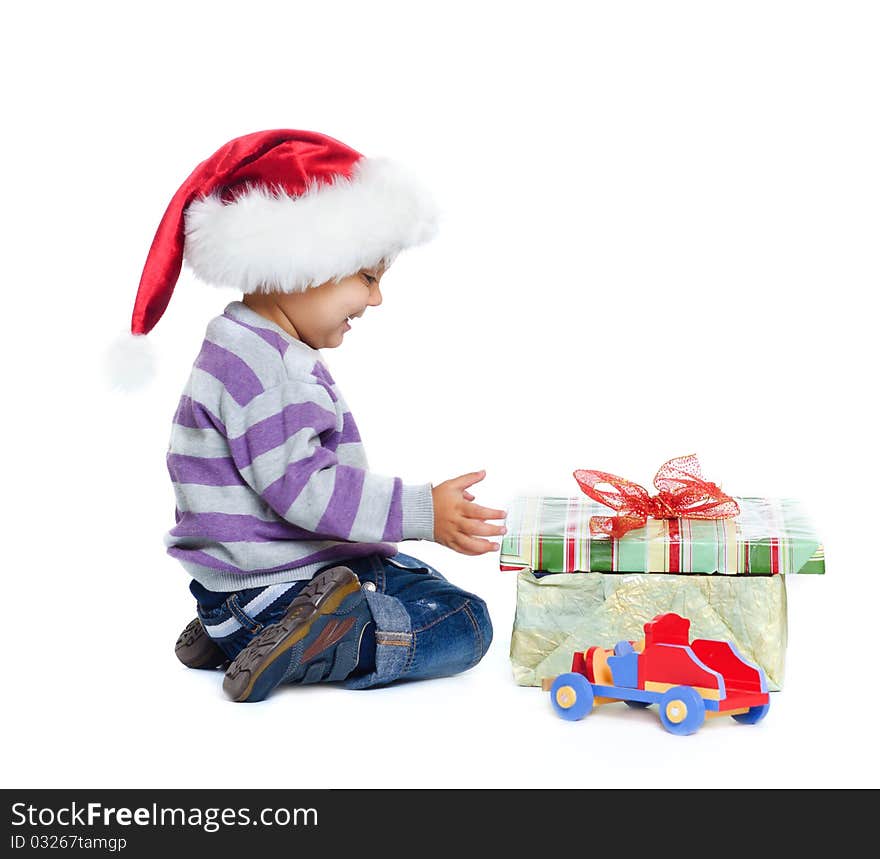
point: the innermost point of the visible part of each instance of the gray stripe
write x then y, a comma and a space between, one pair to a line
263, 359
215, 580
300, 359
271, 465
417, 505
197, 442
261, 556
309, 506
352, 453
206, 389
271, 402
196, 498
369, 524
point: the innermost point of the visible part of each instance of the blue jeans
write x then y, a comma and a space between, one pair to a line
424, 625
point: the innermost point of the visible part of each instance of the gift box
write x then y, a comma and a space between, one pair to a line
578, 588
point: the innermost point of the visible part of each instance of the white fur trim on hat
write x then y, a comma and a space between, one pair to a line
269, 241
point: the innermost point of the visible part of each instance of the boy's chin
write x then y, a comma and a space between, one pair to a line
332, 342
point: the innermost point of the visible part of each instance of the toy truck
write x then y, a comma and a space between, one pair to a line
687, 680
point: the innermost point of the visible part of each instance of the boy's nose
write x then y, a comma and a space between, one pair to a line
375, 297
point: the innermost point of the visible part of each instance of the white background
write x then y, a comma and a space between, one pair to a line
660, 237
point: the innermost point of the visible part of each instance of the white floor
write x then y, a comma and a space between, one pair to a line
132, 719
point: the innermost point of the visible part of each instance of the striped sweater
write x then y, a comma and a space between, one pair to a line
270, 477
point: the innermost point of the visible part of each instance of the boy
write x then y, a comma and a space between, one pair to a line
288, 537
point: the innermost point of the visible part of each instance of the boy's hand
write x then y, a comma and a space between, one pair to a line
458, 522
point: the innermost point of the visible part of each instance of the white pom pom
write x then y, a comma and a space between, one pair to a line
130, 362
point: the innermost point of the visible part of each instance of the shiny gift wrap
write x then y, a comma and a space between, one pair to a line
560, 613
575, 589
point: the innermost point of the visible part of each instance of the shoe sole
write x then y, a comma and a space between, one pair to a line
196, 649
248, 678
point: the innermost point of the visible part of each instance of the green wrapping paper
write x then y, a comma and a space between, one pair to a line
771, 535
727, 576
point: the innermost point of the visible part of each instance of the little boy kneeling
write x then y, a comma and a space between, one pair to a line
287, 535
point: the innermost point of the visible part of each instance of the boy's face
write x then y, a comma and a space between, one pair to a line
321, 314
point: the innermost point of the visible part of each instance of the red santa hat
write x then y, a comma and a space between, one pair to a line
276, 211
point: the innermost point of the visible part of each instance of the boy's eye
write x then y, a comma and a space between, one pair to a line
370, 279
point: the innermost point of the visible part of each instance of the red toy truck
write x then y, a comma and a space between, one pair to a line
687, 680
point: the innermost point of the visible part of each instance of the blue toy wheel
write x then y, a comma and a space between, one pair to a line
682, 710
571, 696
755, 714
638, 705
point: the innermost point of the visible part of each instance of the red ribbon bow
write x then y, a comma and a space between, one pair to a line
682, 493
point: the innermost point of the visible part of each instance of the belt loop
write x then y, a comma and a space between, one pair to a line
245, 620
379, 570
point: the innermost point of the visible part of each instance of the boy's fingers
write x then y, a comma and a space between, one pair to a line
465, 480
474, 545
475, 526
475, 511
468, 496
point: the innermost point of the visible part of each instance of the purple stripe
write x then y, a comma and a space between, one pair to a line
344, 502
275, 430
191, 413
349, 433
339, 552
239, 379
285, 490
322, 373
349, 430
271, 337
394, 523
235, 528
325, 380
207, 470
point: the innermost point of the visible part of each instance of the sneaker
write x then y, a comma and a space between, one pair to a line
318, 639
196, 649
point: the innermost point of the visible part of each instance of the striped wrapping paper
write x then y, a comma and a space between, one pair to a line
771, 535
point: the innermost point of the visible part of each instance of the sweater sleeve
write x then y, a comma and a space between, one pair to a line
277, 442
